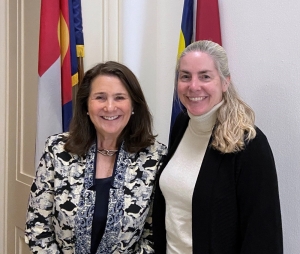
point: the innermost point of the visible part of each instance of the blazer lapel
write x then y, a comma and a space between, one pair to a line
86, 205
203, 197
115, 215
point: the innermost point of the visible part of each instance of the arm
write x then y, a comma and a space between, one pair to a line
146, 242
258, 199
39, 231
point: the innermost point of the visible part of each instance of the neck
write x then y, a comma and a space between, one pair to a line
204, 123
106, 143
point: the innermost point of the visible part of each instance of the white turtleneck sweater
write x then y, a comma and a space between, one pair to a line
178, 180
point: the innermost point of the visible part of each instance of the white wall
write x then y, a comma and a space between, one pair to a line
262, 39
150, 39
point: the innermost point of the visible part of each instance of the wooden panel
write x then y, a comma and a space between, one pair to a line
28, 83
102, 33
13, 116
3, 114
22, 91
111, 31
21, 246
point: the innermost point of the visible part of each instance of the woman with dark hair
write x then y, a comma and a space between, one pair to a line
217, 191
93, 187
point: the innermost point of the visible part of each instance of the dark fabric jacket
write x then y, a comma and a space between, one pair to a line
235, 205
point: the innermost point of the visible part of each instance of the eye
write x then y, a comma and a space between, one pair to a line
184, 77
100, 97
204, 77
120, 97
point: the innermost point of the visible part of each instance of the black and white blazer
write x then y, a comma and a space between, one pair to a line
61, 202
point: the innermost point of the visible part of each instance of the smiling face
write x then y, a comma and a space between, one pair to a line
109, 106
199, 84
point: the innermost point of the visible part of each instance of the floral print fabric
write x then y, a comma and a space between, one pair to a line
61, 202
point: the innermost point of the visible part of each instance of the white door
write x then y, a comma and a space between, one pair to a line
22, 81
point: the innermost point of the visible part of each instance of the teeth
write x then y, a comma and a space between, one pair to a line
197, 98
110, 117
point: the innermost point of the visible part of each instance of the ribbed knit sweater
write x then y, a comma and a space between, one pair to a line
178, 180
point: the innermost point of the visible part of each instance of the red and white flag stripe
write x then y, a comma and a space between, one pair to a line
49, 113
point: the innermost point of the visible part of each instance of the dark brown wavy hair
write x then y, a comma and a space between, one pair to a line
138, 132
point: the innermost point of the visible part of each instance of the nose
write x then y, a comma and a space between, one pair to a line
110, 105
195, 84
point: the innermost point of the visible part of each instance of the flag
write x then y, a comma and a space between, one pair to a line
185, 38
66, 70
54, 110
76, 46
49, 114
208, 21
207, 27
78, 31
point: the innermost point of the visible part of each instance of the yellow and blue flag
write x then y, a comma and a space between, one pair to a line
206, 27
185, 38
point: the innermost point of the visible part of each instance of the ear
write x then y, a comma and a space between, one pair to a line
225, 84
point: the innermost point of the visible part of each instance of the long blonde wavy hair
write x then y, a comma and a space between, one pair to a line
235, 119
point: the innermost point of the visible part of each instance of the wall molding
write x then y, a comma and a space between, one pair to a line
111, 30
3, 121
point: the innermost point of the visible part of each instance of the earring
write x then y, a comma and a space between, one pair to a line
132, 113
87, 113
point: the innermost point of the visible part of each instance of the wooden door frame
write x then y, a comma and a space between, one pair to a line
3, 122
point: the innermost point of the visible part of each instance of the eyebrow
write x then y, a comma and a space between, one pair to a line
124, 94
104, 93
199, 72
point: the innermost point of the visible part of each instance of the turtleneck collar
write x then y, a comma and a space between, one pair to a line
204, 124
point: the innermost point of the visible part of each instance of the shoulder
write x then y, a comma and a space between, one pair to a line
156, 148
55, 150
260, 141
181, 120
259, 133
257, 152
56, 142
59, 138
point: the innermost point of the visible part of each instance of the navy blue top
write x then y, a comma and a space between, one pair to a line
102, 187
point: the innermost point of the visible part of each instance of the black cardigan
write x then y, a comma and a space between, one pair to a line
235, 205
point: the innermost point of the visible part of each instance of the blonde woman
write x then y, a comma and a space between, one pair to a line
218, 190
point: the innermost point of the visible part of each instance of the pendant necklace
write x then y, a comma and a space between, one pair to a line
106, 152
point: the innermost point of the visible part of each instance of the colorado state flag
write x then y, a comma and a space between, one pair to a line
56, 76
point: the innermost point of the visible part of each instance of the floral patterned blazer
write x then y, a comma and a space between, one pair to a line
62, 200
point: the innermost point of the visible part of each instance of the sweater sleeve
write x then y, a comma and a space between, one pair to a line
39, 231
258, 199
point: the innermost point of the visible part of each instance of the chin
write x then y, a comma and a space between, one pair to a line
197, 112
